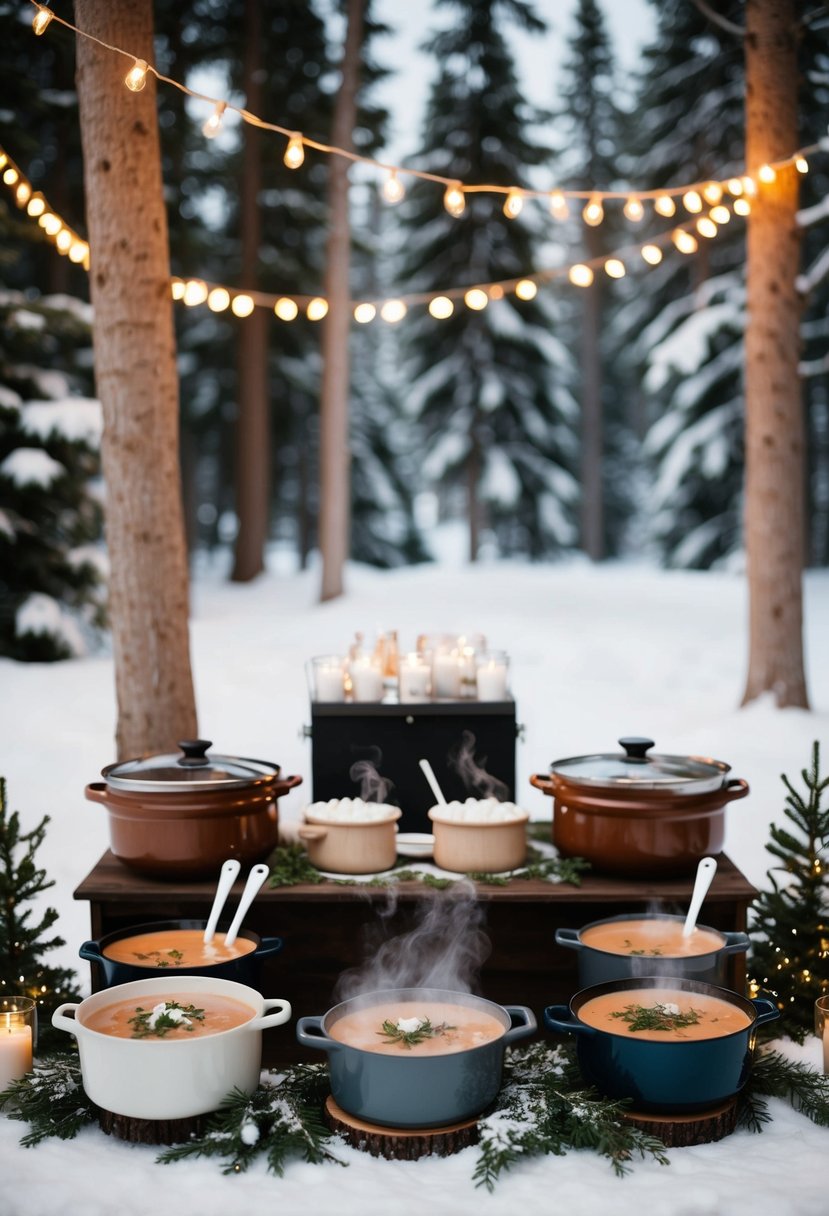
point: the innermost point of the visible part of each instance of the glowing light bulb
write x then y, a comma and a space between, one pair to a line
558, 206
364, 313
78, 251
286, 309
441, 307
10, 176
136, 77
615, 268
393, 189
218, 299
652, 254
593, 213
749, 185
513, 204
766, 174
735, 186
801, 164
317, 308
741, 206
177, 287
242, 305
633, 210
712, 192
64, 240
213, 125
4, 160
684, 241
720, 214
393, 311
691, 201
476, 299
496, 292
50, 223
36, 205
453, 199
665, 205
526, 289
706, 227
581, 275
195, 292
23, 193
42, 20
294, 152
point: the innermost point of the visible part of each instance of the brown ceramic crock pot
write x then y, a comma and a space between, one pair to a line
639, 815
181, 816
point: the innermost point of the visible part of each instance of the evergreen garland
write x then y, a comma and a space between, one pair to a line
790, 920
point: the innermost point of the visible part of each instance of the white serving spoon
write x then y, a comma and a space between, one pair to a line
429, 774
255, 880
706, 870
227, 877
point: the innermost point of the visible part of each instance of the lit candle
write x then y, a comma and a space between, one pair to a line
467, 666
446, 674
366, 680
15, 1047
492, 677
413, 678
328, 679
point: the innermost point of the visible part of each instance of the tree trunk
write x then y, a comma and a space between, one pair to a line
335, 487
774, 428
136, 379
253, 432
592, 420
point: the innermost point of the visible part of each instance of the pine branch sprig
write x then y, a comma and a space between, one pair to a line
773, 1076
51, 1099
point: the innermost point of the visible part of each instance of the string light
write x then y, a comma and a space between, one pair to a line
684, 241
294, 152
23, 193
749, 185
42, 20
801, 164
495, 292
580, 275
615, 268
526, 289
691, 201
633, 210
364, 313
712, 192
558, 206
393, 189
393, 311
195, 292
652, 254
476, 299
177, 288
720, 214
593, 213
78, 251
441, 307
10, 175
242, 305
218, 299
665, 205
36, 206
64, 240
136, 77
766, 174
50, 223
706, 227
513, 204
286, 309
454, 200
317, 309
735, 186
741, 206
213, 124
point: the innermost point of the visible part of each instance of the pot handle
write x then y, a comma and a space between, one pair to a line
560, 1019
310, 1033
526, 1022
313, 832
287, 783
96, 791
283, 1013
62, 1022
268, 946
766, 1010
91, 951
542, 782
736, 943
737, 787
569, 938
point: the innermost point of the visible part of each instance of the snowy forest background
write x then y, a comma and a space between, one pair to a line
606, 422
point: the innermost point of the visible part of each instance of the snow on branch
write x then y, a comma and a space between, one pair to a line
817, 272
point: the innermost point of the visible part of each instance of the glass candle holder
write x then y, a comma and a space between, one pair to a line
17, 1033
446, 670
366, 680
328, 677
493, 675
414, 677
822, 1028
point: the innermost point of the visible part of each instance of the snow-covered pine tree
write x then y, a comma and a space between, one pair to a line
488, 387
686, 329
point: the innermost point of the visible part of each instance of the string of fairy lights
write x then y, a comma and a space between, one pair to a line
706, 206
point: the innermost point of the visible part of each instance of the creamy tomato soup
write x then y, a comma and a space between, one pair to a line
167, 949
650, 938
416, 1028
663, 1014
174, 1015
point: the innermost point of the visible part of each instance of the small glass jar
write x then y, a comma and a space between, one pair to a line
493, 675
17, 1037
414, 677
328, 677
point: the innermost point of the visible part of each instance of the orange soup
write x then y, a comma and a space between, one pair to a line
650, 938
416, 1028
166, 949
663, 1014
177, 1015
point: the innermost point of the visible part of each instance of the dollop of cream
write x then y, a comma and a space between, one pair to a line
409, 1025
670, 1007
175, 1014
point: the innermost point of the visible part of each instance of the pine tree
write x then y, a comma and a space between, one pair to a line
790, 920
488, 387
23, 942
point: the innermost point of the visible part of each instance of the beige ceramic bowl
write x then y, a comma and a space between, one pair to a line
486, 845
347, 844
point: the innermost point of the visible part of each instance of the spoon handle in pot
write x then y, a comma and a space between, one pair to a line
227, 877
255, 879
706, 870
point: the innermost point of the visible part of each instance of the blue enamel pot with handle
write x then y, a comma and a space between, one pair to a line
671, 1077
598, 966
409, 1090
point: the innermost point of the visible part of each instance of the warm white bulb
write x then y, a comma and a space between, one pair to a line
766, 174
615, 268
712, 192
64, 240
706, 227
393, 311
665, 205
801, 164
684, 241
526, 289
136, 77
177, 289
195, 292
364, 313
453, 200
242, 305
593, 213
50, 223
513, 204
735, 185
23, 193
581, 275
652, 254
294, 152
286, 309
720, 214
476, 299
317, 308
749, 185
36, 205
393, 189
558, 206
10, 175
741, 206
213, 125
218, 299
41, 20
78, 250
633, 210
441, 308
691, 201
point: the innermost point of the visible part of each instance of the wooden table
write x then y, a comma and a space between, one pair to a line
326, 927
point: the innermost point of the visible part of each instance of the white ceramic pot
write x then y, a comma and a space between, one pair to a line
488, 846
351, 846
165, 1078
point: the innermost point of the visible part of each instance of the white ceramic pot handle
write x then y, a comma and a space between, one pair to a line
62, 1022
312, 833
282, 1015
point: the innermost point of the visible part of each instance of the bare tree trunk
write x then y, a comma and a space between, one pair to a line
775, 471
136, 379
253, 431
592, 414
335, 483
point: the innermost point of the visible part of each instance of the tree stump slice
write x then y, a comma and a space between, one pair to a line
681, 1131
399, 1143
150, 1131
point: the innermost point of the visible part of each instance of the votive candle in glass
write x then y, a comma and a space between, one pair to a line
17, 1015
822, 1028
366, 680
413, 677
493, 672
329, 677
446, 674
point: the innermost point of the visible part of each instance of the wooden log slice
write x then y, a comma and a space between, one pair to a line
681, 1131
150, 1131
399, 1143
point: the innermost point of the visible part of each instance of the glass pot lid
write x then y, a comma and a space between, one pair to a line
633, 769
190, 770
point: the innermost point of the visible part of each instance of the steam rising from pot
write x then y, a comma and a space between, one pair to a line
373, 787
472, 773
444, 950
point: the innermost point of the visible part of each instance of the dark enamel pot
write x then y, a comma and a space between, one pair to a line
666, 1077
410, 1090
600, 966
243, 970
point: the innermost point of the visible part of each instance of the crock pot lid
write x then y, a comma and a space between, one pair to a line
634, 768
190, 769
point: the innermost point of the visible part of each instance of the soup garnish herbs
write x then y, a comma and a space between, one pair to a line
408, 1032
631, 950
159, 958
162, 1018
660, 1016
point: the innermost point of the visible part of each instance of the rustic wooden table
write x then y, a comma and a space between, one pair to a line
326, 928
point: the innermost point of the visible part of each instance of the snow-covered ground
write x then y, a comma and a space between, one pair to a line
596, 653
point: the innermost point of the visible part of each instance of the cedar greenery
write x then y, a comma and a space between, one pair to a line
655, 1017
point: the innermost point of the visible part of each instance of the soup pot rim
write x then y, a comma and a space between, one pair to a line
724, 936
364, 1000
